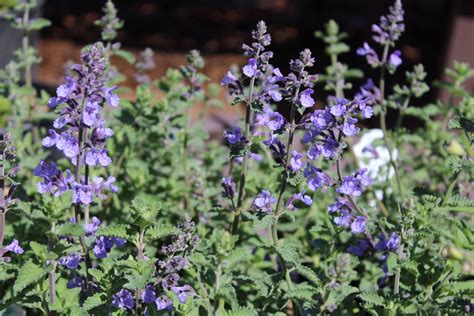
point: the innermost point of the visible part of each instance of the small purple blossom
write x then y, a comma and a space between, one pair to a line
359, 248
296, 161
353, 185
305, 98
234, 135
71, 262
395, 59
250, 70
123, 299
306, 199
14, 247
316, 178
370, 55
163, 303
82, 194
339, 109
390, 244
228, 185
149, 295
91, 228
183, 292
274, 120
263, 201
358, 225
349, 128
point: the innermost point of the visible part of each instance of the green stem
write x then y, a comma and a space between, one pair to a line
450, 189
340, 94
274, 229
140, 257
396, 286
243, 171
204, 294
383, 125
52, 273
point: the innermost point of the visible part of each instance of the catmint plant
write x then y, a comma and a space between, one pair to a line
80, 133
254, 76
316, 225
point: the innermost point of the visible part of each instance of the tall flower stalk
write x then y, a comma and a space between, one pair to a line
386, 33
80, 133
255, 71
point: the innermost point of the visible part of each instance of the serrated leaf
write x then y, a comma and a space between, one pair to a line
372, 298
114, 230
308, 274
70, 229
96, 274
461, 286
28, 274
236, 256
288, 253
264, 223
161, 230
94, 301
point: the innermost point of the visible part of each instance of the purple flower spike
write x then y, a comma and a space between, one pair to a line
264, 201
123, 299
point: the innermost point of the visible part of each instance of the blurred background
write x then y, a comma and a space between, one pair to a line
437, 32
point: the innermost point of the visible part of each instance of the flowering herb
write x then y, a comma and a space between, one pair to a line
310, 214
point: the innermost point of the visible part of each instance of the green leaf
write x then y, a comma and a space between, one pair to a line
128, 56
372, 298
40, 251
114, 230
96, 274
28, 274
38, 24
70, 229
288, 253
264, 223
161, 230
94, 301
144, 211
462, 286
308, 274
237, 256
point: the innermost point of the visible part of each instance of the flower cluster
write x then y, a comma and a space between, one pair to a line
167, 273
386, 34
145, 63
80, 131
102, 245
109, 22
